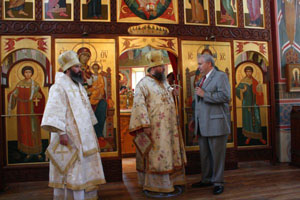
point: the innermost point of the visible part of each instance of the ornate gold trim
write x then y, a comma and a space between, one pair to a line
89, 186
174, 170
148, 148
72, 160
138, 128
90, 152
148, 29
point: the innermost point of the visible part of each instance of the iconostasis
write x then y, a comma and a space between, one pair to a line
111, 39
26, 77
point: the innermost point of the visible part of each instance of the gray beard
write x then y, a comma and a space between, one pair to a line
159, 76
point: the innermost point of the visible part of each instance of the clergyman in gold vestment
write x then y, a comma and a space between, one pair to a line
69, 117
154, 113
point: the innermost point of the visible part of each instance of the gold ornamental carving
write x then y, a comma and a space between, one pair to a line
148, 29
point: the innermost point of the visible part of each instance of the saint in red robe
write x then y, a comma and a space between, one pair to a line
30, 101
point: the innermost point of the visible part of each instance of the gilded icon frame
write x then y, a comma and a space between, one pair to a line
28, 9
126, 15
293, 77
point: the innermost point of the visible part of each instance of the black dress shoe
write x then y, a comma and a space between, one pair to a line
201, 184
218, 189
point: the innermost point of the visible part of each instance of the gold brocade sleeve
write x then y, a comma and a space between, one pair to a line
139, 113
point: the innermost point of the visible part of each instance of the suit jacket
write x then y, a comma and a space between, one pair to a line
212, 114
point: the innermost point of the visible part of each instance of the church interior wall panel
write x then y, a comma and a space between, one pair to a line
25, 173
38, 9
240, 7
258, 133
2, 146
178, 30
21, 54
295, 136
18, 127
286, 38
257, 53
284, 145
46, 28
255, 154
212, 13
17, 52
112, 169
271, 78
127, 146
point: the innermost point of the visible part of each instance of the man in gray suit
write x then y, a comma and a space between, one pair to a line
212, 122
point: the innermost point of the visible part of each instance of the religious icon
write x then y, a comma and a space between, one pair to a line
149, 11
95, 10
98, 98
124, 78
296, 77
25, 106
18, 9
220, 51
226, 13
95, 86
97, 67
251, 97
253, 13
196, 12
84, 55
293, 77
59, 10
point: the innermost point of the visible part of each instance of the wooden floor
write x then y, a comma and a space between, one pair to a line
253, 180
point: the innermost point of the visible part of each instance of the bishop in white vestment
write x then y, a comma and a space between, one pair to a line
75, 163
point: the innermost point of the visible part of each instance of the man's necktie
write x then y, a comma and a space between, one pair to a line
200, 86
203, 79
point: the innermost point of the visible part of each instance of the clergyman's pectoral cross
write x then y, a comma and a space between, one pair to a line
62, 152
36, 101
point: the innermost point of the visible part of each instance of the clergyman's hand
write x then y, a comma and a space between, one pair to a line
64, 139
147, 131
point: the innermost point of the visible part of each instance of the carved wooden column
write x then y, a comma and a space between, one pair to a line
1, 140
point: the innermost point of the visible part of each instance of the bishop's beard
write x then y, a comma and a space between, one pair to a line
76, 77
159, 76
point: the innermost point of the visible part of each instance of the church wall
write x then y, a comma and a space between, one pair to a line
252, 38
287, 39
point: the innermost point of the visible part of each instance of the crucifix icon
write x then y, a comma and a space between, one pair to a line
36, 101
62, 152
